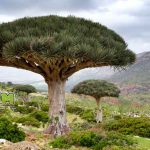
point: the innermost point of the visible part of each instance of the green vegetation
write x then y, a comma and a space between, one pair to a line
143, 143
25, 88
117, 132
97, 89
24, 109
40, 116
29, 121
129, 125
10, 131
92, 140
87, 114
95, 39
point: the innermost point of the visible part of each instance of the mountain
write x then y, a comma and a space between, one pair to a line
26, 77
137, 76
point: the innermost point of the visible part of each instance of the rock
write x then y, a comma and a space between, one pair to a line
2, 141
21, 146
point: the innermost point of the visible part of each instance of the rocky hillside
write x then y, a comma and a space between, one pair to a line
137, 77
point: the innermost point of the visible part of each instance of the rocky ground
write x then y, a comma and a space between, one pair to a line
25, 145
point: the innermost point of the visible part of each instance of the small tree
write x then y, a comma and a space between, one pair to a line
24, 90
9, 83
97, 89
10, 131
56, 47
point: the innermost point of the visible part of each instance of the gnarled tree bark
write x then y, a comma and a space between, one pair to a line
57, 108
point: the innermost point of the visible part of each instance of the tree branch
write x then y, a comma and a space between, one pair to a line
81, 65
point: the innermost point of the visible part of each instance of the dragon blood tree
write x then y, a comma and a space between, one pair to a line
56, 47
97, 89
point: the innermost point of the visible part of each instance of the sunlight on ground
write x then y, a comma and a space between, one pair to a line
143, 142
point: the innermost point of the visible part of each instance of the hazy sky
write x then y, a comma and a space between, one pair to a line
129, 18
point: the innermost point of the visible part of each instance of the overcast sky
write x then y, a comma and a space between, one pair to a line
129, 18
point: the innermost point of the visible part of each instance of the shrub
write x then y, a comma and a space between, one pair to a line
10, 131
89, 139
92, 139
119, 139
18, 102
136, 126
74, 109
117, 117
40, 116
114, 138
86, 138
88, 115
60, 142
24, 109
32, 103
45, 107
29, 121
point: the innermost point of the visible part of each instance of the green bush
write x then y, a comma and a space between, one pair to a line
24, 109
117, 117
45, 107
136, 126
89, 139
92, 139
10, 131
25, 88
31, 103
74, 109
114, 138
18, 102
40, 116
88, 115
29, 121
60, 142
86, 138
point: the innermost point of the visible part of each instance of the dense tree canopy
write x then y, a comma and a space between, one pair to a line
96, 88
67, 44
25, 88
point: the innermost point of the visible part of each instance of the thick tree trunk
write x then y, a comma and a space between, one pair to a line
57, 109
99, 113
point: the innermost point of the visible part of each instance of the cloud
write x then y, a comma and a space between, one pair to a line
128, 18
18, 75
13, 7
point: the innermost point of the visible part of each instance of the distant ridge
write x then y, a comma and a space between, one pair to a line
137, 74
